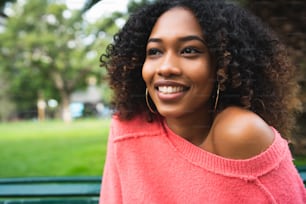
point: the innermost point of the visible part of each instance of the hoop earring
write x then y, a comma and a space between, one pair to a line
217, 98
147, 101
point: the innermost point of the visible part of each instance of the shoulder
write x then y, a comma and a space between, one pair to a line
135, 127
240, 134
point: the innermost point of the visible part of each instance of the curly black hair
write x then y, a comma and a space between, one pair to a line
252, 68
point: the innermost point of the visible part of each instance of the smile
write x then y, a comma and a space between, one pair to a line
170, 89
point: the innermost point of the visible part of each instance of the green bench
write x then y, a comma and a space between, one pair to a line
50, 190
58, 190
302, 171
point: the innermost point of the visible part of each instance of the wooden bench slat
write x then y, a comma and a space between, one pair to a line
303, 175
302, 172
17, 190
51, 201
76, 179
55, 190
50, 187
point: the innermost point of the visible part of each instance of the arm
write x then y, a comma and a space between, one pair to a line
111, 187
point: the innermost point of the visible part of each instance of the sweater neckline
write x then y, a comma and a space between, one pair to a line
244, 168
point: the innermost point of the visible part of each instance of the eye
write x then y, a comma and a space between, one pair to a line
190, 50
153, 51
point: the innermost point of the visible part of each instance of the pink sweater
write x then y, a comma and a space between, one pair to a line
147, 163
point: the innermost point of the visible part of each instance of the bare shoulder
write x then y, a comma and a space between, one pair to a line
240, 134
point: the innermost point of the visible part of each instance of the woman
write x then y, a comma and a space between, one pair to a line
200, 90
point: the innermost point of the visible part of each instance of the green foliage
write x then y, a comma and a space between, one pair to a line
89, 4
48, 49
134, 5
2, 6
53, 148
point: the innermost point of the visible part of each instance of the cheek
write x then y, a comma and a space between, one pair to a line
201, 72
147, 73
203, 77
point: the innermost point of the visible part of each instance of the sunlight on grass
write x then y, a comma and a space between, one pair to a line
300, 161
52, 148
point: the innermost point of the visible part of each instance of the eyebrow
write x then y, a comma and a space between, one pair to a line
182, 39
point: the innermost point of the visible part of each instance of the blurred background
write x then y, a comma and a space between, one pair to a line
54, 99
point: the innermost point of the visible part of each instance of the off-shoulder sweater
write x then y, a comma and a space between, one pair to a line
148, 163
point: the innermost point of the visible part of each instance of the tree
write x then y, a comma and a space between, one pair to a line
287, 18
48, 51
2, 6
6, 104
89, 4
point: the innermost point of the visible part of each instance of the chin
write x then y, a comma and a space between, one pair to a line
172, 113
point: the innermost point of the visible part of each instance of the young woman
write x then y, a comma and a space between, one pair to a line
201, 89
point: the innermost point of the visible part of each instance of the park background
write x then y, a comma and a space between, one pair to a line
54, 99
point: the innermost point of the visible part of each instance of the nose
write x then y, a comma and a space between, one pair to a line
169, 65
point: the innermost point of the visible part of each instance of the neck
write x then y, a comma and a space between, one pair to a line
194, 130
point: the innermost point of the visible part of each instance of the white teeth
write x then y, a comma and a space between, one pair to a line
170, 89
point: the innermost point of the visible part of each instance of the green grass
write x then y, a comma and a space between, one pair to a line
300, 161
53, 148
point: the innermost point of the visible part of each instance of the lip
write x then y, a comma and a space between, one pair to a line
170, 97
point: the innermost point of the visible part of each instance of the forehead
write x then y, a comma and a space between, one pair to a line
177, 21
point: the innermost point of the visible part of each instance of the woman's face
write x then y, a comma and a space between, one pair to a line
177, 70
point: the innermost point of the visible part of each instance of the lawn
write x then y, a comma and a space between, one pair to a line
53, 148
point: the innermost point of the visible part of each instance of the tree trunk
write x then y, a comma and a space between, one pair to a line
65, 111
65, 100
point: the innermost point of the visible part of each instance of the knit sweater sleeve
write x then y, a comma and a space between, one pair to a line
111, 187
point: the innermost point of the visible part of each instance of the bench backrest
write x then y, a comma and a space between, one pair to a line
49, 190
302, 171
54, 190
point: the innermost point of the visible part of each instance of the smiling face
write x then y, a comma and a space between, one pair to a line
177, 70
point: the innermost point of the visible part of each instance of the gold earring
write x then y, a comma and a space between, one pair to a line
147, 101
217, 98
